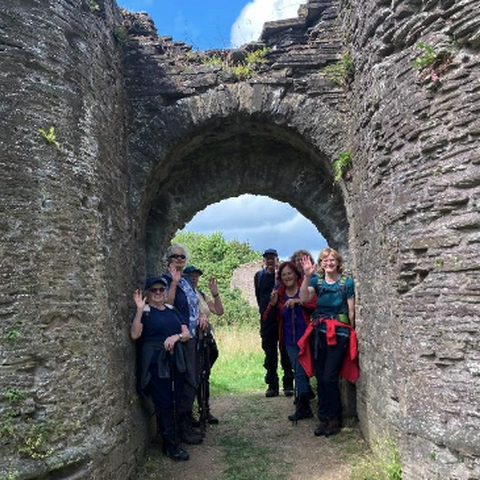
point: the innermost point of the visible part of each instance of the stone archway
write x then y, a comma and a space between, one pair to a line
237, 139
245, 159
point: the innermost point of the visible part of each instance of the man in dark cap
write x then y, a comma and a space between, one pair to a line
264, 281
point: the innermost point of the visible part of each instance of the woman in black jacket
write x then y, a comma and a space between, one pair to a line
163, 360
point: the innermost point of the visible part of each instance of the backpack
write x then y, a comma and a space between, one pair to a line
342, 317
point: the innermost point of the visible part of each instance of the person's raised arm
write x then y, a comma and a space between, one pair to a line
306, 292
172, 288
137, 327
215, 305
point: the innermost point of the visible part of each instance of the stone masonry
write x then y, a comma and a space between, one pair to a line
148, 132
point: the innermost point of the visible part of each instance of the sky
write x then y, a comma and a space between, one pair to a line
211, 24
263, 222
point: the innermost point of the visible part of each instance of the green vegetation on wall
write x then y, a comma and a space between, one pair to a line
94, 6
49, 136
383, 464
121, 35
242, 70
433, 62
339, 71
342, 165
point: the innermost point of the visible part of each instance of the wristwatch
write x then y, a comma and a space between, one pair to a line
180, 336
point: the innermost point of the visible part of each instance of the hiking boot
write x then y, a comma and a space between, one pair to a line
189, 436
333, 428
175, 452
302, 410
288, 391
321, 429
211, 420
193, 421
271, 392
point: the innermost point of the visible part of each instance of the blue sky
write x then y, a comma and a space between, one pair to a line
263, 222
213, 23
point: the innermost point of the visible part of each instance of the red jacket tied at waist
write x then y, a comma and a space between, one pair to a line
350, 369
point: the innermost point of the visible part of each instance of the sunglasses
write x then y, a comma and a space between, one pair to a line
178, 255
157, 290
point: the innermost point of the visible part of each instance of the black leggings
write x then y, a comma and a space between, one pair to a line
328, 361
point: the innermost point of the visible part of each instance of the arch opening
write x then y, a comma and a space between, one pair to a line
261, 222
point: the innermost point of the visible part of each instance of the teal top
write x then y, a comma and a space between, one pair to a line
332, 300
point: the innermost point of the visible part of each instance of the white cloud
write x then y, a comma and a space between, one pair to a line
263, 222
248, 26
243, 212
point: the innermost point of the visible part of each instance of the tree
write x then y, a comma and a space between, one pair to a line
218, 258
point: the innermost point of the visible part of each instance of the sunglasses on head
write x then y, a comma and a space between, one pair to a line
178, 255
157, 290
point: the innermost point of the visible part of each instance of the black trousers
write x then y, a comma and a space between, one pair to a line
211, 357
192, 376
166, 396
269, 334
328, 361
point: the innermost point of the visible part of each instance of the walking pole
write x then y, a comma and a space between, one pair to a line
294, 422
174, 400
202, 404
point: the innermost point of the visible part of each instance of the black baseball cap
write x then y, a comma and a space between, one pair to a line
270, 251
192, 269
151, 281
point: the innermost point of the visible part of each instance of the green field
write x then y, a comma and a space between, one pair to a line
239, 368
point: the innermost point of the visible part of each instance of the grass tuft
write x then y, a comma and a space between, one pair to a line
383, 464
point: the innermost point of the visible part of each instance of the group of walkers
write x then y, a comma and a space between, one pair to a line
307, 315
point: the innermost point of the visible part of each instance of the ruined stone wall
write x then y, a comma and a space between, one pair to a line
242, 279
415, 218
67, 400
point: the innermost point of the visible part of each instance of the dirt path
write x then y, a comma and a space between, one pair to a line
255, 441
